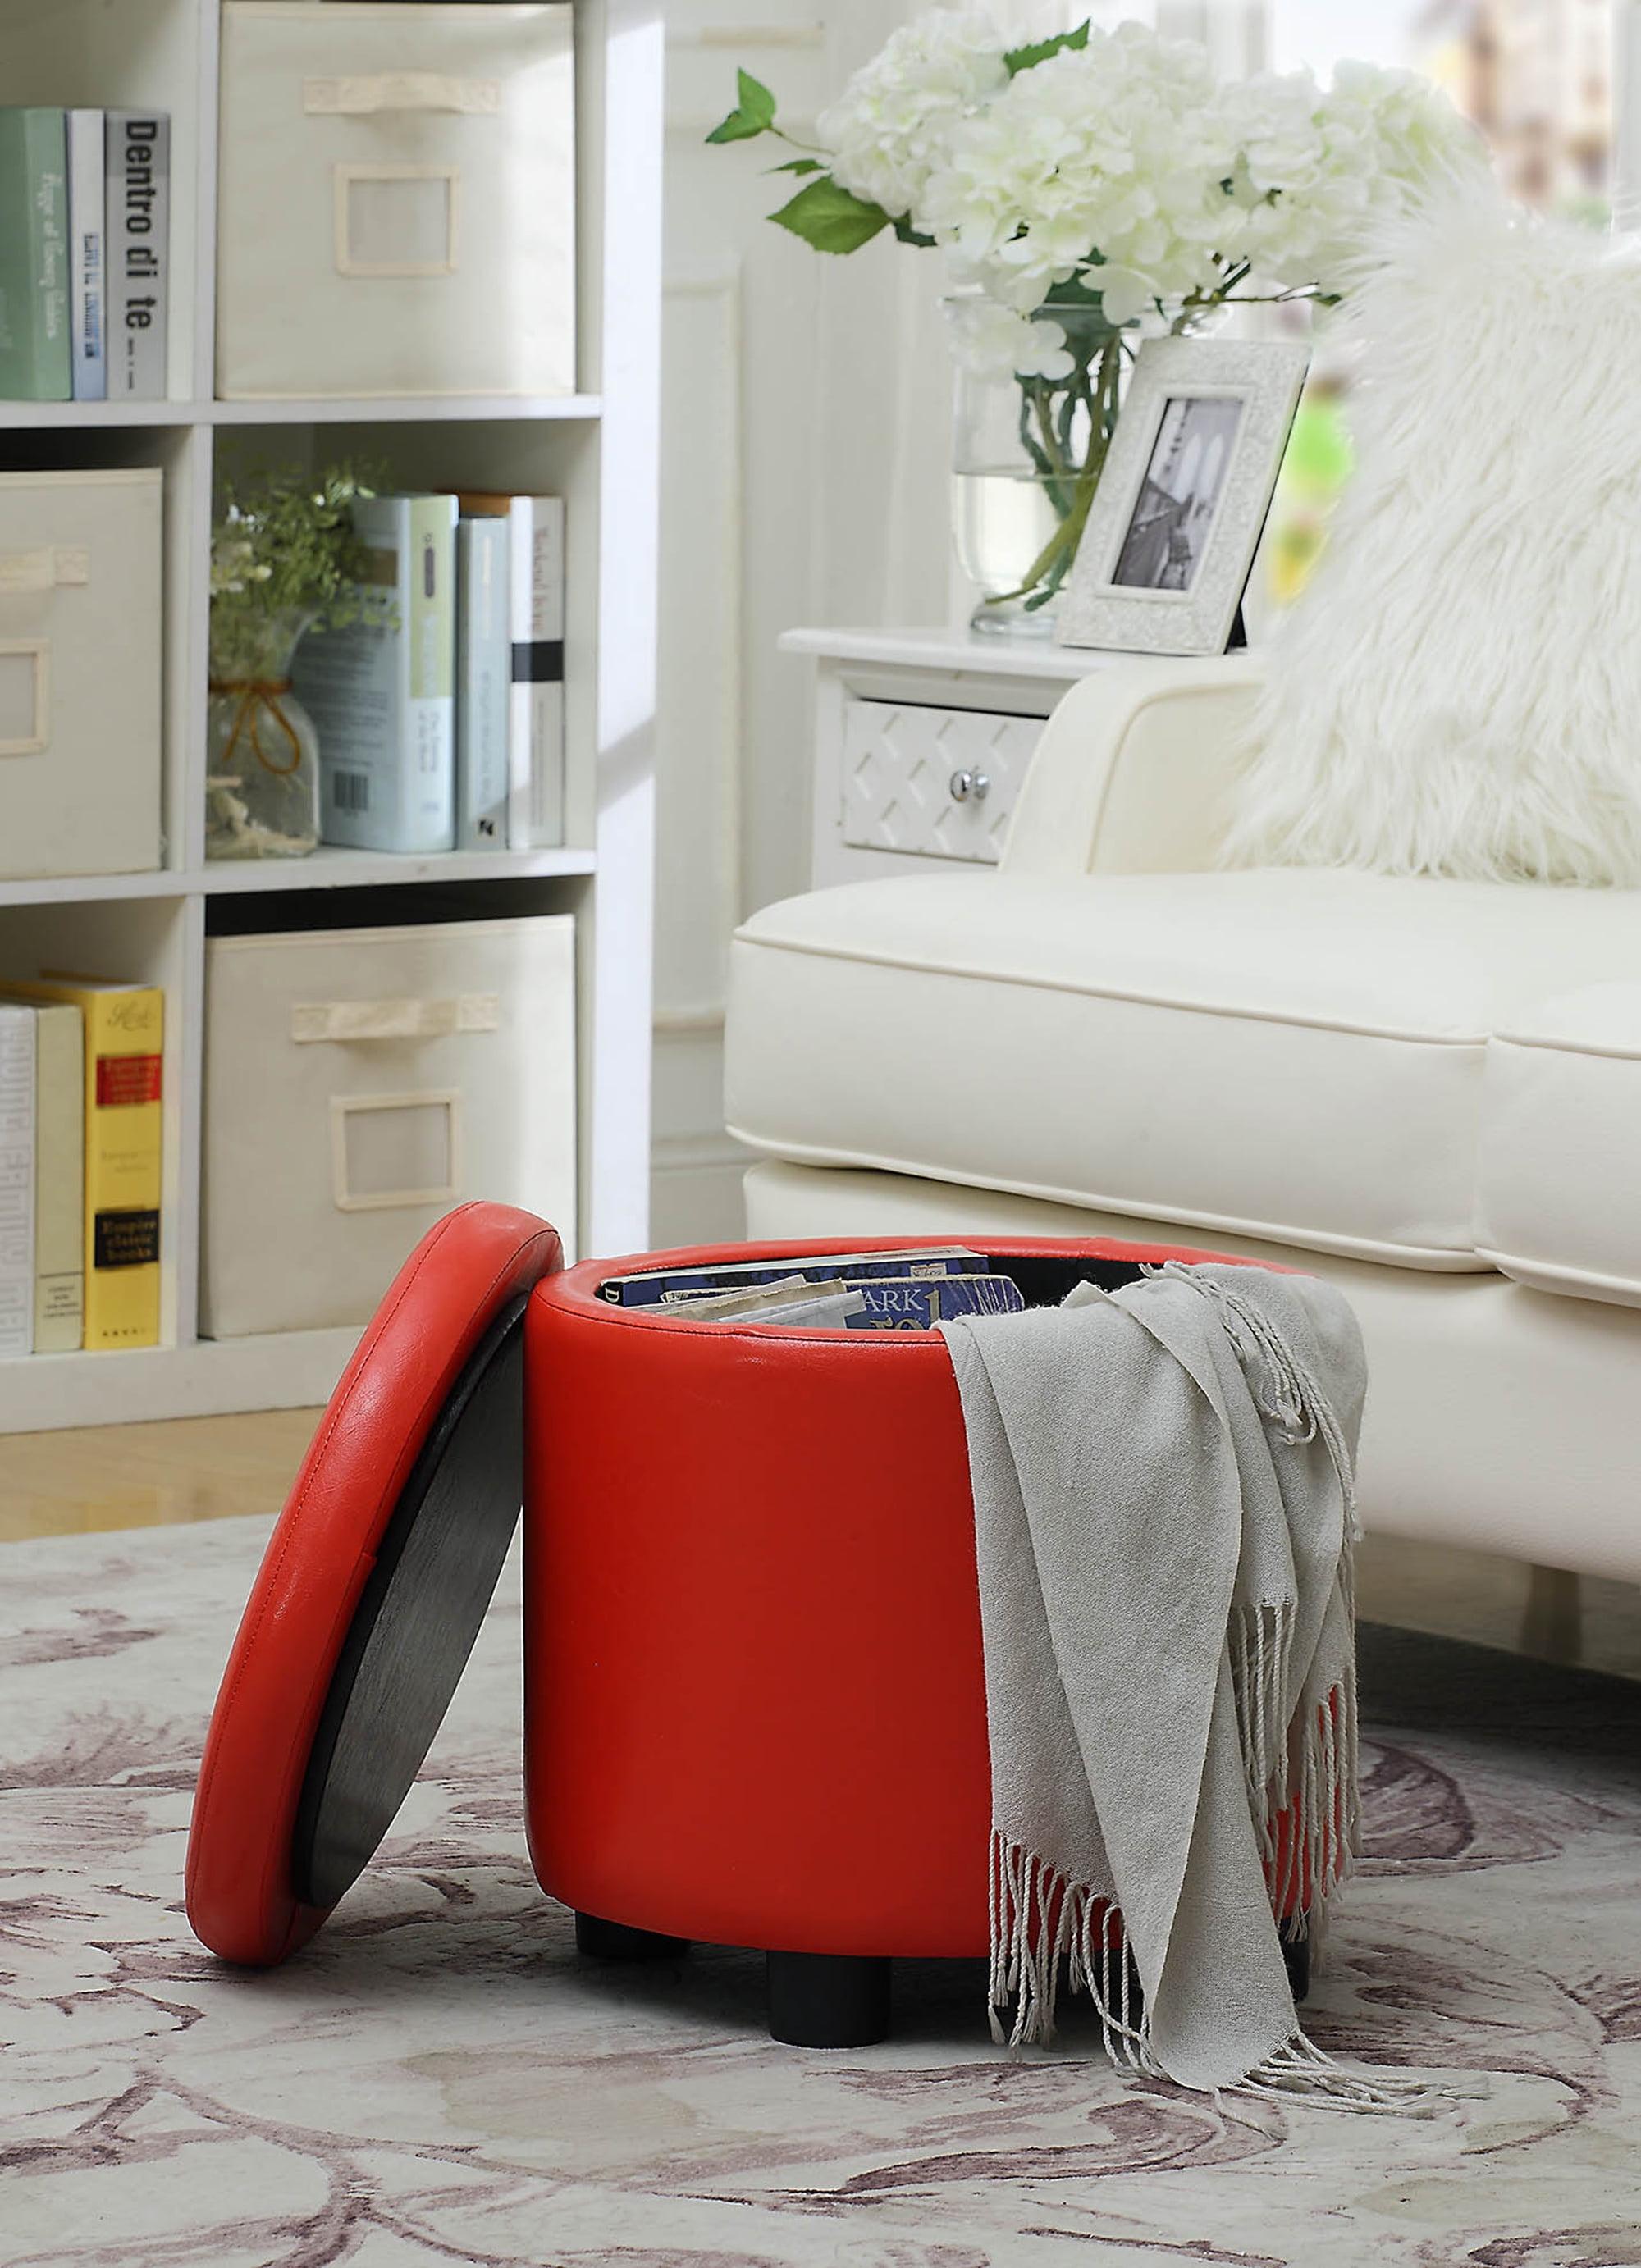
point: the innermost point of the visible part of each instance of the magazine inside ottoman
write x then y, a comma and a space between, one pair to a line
1033, 1279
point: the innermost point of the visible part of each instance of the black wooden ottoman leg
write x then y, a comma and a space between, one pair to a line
827, 1999
613, 1940
1296, 1953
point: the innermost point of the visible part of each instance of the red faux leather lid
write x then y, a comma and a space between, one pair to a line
390, 1477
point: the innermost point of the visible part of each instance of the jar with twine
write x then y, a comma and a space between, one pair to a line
285, 559
262, 785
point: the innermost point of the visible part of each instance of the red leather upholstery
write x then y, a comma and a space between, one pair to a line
240, 1896
754, 1699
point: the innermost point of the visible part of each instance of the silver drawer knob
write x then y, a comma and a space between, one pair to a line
969, 787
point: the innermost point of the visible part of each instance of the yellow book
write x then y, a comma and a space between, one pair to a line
124, 1028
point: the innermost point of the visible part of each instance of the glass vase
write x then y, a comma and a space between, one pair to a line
262, 785
1028, 457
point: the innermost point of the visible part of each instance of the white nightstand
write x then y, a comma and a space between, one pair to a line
921, 740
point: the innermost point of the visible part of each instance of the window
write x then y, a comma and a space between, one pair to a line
1537, 76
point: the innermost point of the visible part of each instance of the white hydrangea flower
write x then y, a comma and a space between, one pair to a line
1123, 164
1113, 153
892, 124
1316, 166
998, 342
1410, 130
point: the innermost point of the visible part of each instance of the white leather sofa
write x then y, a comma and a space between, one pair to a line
1430, 1091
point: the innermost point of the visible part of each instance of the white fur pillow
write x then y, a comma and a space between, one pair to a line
1459, 690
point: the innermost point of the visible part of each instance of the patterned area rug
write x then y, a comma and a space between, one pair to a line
437, 2078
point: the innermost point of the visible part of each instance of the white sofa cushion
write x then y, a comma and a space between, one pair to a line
1558, 1194
1286, 1054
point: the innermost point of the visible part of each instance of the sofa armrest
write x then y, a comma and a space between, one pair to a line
1134, 772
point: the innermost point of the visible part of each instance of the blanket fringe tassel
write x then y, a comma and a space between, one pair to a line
1045, 1928
1306, 1808
1306, 1811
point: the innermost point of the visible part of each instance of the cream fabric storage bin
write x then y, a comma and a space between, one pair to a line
358, 1083
79, 672
396, 194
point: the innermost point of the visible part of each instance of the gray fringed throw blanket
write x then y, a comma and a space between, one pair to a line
1163, 1519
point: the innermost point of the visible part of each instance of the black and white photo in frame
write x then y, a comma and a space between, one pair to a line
1182, 504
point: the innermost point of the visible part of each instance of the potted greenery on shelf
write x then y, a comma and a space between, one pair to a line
283, 559
1085, 191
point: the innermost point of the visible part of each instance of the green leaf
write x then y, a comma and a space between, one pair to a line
754, 113
737, 127
1019, 59
908, 234
800, 165
830, 218
756, 101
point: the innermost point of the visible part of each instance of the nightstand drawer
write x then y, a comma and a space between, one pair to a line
933, 783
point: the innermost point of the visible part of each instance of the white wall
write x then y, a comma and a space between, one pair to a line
804, 456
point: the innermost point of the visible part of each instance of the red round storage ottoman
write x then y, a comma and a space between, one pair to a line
754, 1698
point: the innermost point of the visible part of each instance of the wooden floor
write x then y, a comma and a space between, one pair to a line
143, 1476
212, 1468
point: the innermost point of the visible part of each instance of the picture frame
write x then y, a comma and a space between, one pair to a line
1182, 502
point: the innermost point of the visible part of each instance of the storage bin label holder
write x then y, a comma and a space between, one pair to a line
27, 574
379, 95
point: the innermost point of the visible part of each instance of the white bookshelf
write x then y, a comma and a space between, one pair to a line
398, 409
597, 448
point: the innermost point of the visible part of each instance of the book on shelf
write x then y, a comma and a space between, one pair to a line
17, 1181
35, 361
482, 683
138, 252
381, 692
59, 1176
122, 1034
536, 802
88, 306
